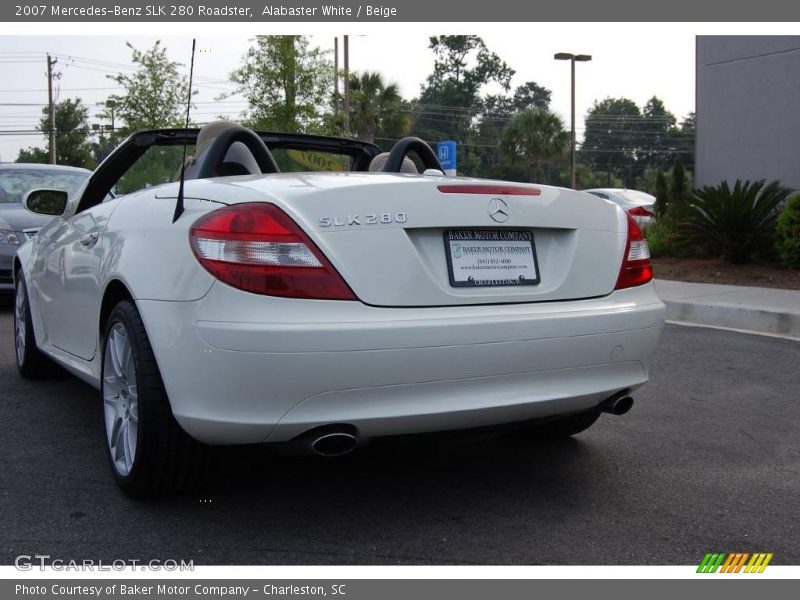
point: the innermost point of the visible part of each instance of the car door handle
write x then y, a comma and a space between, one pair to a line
88, 241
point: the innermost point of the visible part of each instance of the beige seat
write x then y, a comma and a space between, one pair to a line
239, 160
379, 161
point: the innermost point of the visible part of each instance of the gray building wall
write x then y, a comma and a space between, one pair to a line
748, 109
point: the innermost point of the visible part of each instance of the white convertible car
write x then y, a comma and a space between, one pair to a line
288, 293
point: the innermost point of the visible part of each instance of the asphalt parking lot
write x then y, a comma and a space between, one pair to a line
707, 460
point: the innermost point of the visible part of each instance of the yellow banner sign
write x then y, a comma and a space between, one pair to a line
317, 161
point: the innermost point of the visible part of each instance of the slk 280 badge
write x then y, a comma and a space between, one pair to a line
370, 219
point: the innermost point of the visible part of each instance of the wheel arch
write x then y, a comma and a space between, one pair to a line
115, 292
16, 266
39, 330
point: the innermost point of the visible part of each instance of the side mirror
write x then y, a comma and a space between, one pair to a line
46, 202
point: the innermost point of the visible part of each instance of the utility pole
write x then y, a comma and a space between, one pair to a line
50, 75
336, 75
347, 85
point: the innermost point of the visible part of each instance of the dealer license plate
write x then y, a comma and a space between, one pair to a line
490, 257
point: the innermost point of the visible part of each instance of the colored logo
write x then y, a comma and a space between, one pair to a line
735, 562
456, 250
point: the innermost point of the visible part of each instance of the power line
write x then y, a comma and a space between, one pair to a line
40, 91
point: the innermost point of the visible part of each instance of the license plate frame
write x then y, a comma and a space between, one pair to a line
517, 238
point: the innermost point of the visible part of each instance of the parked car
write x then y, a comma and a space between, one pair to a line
639, 205
324, 308
18, 224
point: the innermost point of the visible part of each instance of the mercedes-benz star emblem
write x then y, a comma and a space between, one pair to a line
498, 210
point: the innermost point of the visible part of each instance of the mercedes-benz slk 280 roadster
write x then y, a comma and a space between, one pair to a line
309, 290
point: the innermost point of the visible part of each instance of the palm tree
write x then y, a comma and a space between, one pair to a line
376, 108
535, 136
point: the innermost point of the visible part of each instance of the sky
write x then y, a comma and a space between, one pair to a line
630, 60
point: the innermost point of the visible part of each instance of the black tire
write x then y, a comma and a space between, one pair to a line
166, 459
31, 363
568, 425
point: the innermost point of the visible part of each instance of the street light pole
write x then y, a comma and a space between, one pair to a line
572, 126
336, 76
347, 85
573, 58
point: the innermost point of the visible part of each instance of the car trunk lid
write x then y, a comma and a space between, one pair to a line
394, 238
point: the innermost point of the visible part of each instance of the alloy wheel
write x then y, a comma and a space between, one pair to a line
120, 399
20, 316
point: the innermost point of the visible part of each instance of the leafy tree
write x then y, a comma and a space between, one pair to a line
285, 82
496, 110
686, 138
689, 124
534, 136
657, 132
623, 139
531, 95
585, 178
103, 146
72, 134
155, 94
678, 186
376, 108
646, 182
688, 129
612, 135
495, 113
662, 195
33, 155
450, 98
159, 164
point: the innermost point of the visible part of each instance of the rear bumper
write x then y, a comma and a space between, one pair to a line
241, 368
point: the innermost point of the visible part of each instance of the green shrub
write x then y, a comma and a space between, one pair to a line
787, 233
665, 240
660, 238
662, 195
733, 223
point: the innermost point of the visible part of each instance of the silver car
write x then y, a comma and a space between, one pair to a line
18, 224
639, 205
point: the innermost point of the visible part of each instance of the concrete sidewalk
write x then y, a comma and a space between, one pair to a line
761, 310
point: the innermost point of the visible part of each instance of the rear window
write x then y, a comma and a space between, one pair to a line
16, 183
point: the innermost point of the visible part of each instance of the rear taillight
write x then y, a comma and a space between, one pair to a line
637, 268
639, 211
259, 248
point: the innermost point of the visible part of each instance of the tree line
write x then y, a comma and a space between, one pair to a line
288, 85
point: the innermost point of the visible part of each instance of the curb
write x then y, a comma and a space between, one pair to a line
735, 317
777, 312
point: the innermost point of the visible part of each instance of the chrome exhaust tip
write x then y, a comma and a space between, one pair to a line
618, 404
336, 443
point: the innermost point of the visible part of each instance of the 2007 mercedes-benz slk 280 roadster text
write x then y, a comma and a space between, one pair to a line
291, 292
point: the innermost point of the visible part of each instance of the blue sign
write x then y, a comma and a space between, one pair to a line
446, 152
